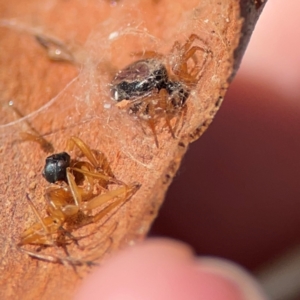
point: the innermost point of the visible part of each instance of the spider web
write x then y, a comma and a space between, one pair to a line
98, 59
87, 85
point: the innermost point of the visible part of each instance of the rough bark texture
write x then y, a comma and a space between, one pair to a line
61, 99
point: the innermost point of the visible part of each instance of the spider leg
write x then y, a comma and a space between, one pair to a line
122, 194
108, 209
40, 232
97, 175
73, 209
40, 219
62, 243
125, 192
190, 41
151, 122
83, 148
147, 112
192, 51
65, 233
56, 259
35, 137
64, 208
186, 52
167, 107
94, 256
176, 47
197, 71
103, 163
106, 236
183, 113
143, 127
148, 54
96, 158
49, 227
183, 68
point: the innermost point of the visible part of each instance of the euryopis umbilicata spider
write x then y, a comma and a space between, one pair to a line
71, 204
152, 90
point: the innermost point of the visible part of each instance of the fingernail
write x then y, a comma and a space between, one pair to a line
235, 274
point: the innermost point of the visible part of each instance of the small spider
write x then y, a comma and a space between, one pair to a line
70, 206
147, 89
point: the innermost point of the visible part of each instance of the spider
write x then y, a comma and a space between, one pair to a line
146, 88
70, 206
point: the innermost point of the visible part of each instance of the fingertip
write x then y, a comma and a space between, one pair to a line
159, 269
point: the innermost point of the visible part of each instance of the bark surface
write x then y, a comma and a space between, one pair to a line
59, 99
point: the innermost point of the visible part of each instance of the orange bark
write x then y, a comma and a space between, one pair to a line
63, 99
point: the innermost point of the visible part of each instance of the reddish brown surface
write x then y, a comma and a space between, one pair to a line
58, 106
241, 202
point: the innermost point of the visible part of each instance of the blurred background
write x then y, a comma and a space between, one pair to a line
237, 193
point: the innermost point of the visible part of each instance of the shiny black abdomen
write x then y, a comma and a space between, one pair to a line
139, 79
56, 167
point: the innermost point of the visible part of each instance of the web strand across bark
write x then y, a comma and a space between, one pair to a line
60, 98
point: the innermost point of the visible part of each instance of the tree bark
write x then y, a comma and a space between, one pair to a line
60, 99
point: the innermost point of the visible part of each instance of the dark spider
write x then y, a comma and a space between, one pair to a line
140, 78
148, 89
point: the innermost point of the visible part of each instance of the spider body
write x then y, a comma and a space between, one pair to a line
56, 167
139, 79
153, 90
144, 76
70, 205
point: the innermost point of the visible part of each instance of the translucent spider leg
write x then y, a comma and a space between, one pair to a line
96, 158
97, 254
122, 194
151, 122
182, 113
125, 192
68, 260
148, 54
188, 52
198, 71
40, 233
187, 45
167, 106
146, 111
35, 137
31, 134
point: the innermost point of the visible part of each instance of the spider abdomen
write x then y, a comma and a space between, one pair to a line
139, 79
56, 166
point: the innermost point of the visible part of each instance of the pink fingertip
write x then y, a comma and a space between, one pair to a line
160, 270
